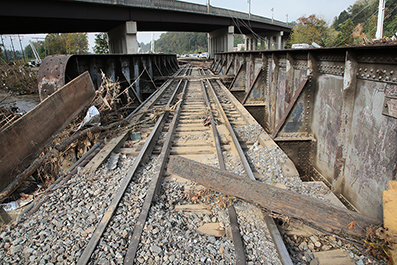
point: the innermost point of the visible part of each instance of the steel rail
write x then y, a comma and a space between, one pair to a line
154, 186
237, 242
236, 143
278, 241
274, 232
169, 81
214, 130
145, 151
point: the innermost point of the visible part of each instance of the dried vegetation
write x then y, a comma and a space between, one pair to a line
18, 78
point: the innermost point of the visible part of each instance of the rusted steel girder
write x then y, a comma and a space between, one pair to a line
341, 129
57, 70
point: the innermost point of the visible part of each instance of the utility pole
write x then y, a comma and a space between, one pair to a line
287, 19
5, 50
381, 18
152, 43
13, 49
23, 53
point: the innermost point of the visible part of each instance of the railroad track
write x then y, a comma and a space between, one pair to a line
196, 119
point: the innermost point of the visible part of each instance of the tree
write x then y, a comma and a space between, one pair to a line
311, 29
182, 42
238, 39
66, 43
345, 36
101, 43
338, 21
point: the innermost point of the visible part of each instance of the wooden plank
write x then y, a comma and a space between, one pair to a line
332, 257
390, 217
212, 229
192, 150
129, 151
282, 201
290, 106
23, 141
93, 165
194, 208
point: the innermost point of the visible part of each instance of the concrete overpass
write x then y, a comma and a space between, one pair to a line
122, 19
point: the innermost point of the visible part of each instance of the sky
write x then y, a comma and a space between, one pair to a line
281, 8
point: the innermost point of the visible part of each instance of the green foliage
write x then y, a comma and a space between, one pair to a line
181, 42
346, 35
101, 43
238, 39
67, 43
311, 29
363, 14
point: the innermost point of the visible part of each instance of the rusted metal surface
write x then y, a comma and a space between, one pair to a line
290, 106
348, 107
390, 107
58, 70
237, 241
51, 74
22, 141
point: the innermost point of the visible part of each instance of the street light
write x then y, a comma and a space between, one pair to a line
249, 9
272, 13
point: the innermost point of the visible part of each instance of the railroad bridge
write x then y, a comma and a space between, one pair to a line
318, 122
271, 127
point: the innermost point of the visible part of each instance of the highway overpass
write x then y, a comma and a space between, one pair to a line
122, 19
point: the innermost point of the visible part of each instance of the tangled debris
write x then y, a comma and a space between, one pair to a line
18, 78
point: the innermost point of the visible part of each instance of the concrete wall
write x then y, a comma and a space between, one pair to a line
338, 129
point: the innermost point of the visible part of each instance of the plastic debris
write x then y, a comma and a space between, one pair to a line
92, 117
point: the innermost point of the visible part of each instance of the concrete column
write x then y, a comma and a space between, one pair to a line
247, 43
222, 40
209, 41
262, 44
230, 38
254, 44
270, 43
280, 40
122, 39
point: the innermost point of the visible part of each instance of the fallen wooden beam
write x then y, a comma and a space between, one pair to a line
286, 202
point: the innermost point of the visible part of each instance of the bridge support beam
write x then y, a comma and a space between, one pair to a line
221, 40
122, 39
274, 41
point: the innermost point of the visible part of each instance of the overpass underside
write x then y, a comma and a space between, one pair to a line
123, 19
333, 111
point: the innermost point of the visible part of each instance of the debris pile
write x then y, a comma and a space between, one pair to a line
8, 114
73, 142
18, 78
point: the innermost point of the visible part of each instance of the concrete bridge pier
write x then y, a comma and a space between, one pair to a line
221, 40
276, 41
273, 42
122, 39
251, 43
